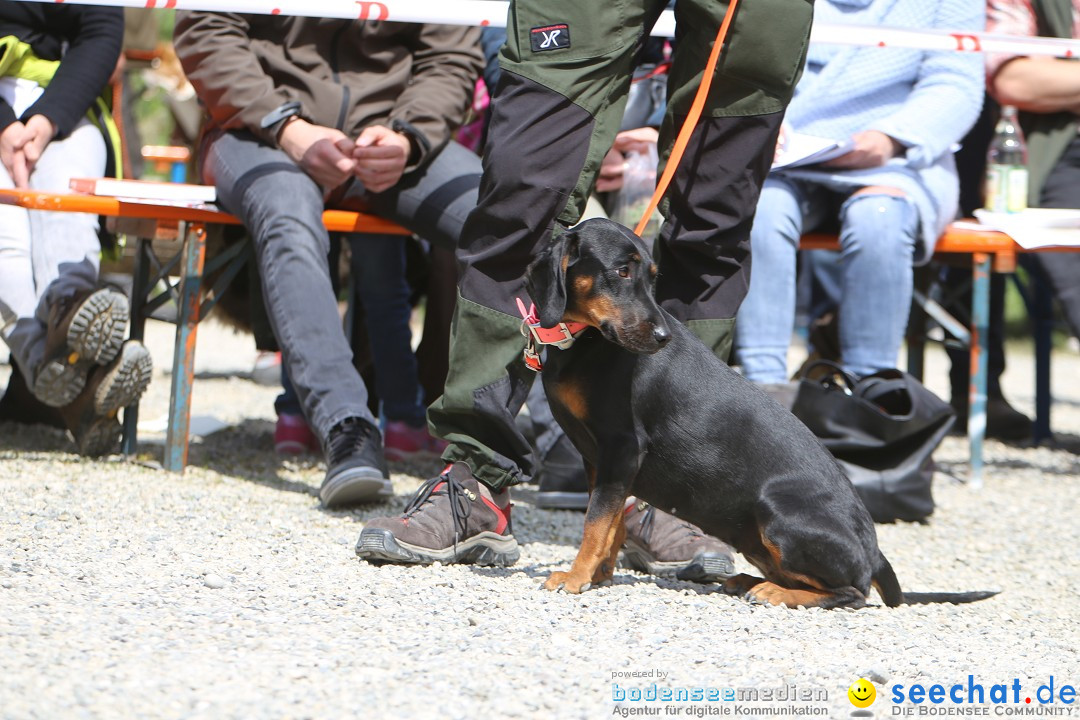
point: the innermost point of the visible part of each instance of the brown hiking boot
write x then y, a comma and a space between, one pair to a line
85, 329
452, 518
661, 544
91, 417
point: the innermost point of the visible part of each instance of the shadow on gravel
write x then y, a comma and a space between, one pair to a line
246, 451
1065, 441
23, 439
623, 577
216, 374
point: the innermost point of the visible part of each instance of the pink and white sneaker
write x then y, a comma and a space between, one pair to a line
292, 436
404, 442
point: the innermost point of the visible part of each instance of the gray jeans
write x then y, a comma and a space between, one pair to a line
282, 209
45, 256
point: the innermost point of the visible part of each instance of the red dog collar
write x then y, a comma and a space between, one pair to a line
561, 336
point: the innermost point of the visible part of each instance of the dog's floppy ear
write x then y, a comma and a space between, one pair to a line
546, 278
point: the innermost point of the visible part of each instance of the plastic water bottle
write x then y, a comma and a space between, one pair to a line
1006, 166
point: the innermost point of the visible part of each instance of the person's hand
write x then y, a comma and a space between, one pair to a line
781, 141
37, 134
637, 140
872, 149
381, 155
613, 166
12, 155
315, 149
611, 171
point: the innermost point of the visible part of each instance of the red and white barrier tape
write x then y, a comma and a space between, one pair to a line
493, 13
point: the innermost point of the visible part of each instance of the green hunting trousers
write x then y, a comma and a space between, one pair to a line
566, 67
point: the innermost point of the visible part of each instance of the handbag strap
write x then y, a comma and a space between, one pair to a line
836, 377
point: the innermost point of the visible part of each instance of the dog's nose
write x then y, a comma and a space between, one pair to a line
661, 335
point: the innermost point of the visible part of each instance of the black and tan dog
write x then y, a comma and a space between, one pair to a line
658, 416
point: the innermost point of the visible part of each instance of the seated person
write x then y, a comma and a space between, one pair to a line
308, 112
1047, 92
892, 194
65, 334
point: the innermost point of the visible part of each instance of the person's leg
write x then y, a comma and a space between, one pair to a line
435, 200
282, 208
1062, 270
704, 246
67, 262
292, 434
767, 315
878, 230
84, 326
48, 257
87, 370
543, 151
378, 273
19, 326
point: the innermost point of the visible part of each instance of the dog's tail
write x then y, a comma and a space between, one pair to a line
888, 587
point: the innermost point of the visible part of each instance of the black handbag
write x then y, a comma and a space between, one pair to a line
883, 429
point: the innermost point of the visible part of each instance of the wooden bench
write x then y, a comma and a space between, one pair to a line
990, 252
147, 222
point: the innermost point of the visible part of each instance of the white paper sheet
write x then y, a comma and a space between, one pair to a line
801, 149
1036, 227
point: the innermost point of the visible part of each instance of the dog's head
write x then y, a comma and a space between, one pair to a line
601, 274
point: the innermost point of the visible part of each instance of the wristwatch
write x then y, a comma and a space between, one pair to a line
420, 144
274, 120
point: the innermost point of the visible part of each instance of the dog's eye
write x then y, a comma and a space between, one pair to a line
624, 271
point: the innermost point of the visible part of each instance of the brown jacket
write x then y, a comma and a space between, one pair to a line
345, 74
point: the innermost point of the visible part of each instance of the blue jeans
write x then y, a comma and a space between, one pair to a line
282, 209
378, 273
877, 244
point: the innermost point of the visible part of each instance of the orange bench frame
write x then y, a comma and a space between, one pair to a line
990, 251
147, 221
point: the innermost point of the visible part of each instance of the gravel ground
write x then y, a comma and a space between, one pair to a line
228, 591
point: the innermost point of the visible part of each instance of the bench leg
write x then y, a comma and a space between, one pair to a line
139, 290
980, 326
176, 441
1044, 328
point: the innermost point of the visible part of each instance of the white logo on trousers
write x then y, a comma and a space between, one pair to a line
550, 39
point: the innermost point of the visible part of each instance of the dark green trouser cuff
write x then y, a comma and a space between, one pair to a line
485, 389
718, 335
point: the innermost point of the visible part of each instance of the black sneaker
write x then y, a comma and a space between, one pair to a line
661, 544
452, 518
1003, 421
355, 465
85, 329
562, 480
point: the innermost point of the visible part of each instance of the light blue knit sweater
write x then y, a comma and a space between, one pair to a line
925, 100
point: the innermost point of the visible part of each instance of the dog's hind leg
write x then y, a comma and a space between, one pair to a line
764, 592
769, 593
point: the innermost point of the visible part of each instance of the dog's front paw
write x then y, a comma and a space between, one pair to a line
560, 580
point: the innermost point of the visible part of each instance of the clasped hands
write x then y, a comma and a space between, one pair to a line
21, 146
377, 158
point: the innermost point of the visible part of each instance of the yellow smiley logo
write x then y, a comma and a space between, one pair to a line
862, 693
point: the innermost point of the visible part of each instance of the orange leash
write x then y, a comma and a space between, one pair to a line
692, 118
